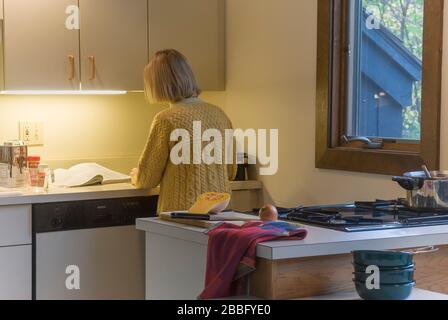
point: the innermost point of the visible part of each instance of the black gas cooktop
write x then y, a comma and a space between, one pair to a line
365, 216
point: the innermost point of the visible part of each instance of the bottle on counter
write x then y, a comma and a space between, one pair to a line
33, 171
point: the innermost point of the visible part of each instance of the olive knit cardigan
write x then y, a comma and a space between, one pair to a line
181, 184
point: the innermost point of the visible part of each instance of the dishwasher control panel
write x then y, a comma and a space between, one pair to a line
50, 217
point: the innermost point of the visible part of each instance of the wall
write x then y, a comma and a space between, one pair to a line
110, 130
271, 47
271, 84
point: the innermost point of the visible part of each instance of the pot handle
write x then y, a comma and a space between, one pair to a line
409, 184
428, 249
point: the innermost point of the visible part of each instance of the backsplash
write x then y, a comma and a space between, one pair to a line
110, 130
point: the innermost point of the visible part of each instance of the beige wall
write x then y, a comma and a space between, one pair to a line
111, 130
271, 74
271, 84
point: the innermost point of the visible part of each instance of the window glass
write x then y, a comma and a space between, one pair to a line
384, 86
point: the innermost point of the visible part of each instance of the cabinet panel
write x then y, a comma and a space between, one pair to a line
167, 277
195, 28
40, 52
114, 45
15, 225
15, 273
1, 47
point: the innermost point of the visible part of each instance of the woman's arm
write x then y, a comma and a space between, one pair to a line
155, 156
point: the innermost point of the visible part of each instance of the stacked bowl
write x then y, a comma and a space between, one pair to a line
394, 271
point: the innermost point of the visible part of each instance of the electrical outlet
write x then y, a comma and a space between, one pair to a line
32, 133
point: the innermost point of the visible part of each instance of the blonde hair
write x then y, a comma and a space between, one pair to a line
169, 78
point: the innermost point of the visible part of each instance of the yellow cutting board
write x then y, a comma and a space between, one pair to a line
237, 218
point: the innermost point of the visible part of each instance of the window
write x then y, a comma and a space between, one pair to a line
384, 70
379, 84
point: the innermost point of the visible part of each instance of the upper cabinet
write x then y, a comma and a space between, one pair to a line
111, 43
197, 29
40, 53
114, 47
1, 46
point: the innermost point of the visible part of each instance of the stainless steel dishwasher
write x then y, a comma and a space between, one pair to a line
98, 238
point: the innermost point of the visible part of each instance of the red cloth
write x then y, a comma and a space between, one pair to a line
231, 254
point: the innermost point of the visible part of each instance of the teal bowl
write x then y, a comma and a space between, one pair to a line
362, 268
386, 291
389, 277
386, 259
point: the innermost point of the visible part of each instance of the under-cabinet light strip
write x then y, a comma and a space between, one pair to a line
62, 92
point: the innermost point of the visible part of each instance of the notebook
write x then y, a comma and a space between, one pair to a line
87, 174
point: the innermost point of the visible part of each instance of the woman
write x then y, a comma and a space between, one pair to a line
170, 79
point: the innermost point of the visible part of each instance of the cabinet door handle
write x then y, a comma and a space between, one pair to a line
71, 61
93, 64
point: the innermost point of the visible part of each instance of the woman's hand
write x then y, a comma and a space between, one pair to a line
134, 174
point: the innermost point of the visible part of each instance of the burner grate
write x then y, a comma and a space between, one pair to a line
365, 216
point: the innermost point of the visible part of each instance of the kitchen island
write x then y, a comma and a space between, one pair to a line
317, 266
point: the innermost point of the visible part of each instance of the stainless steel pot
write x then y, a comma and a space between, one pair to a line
424, 192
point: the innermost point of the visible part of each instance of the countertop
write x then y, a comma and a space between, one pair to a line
319, 242
119, 190
417, 294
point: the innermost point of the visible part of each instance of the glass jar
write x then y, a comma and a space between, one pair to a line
33, 170
43, 177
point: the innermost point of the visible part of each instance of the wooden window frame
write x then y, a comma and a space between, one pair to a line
395, 158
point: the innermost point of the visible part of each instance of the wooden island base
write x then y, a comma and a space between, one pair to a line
319, 276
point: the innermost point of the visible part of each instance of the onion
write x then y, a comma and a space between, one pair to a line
268, 213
